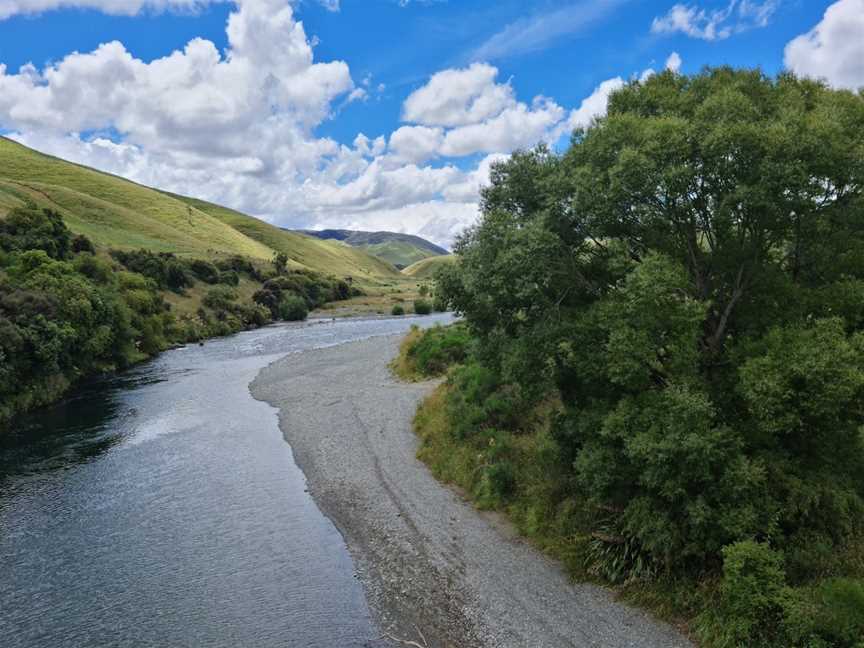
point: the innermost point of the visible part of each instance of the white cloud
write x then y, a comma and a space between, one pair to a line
593, 106
466, 111
536, 32
673, 63
238, 127
515, 127
456, 97
834, 49
10, 8
715, 24
416, 143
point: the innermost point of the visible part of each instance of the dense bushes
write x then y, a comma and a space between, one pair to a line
64, 316
422, 307
66, 312
165, 269
428, 353
685, 283
292, 308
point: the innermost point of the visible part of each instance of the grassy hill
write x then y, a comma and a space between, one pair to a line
400, 250
117, 213
426, 268
309, 251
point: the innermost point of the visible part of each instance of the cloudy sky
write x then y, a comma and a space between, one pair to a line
368, 114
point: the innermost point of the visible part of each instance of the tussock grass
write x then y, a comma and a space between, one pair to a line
404, 366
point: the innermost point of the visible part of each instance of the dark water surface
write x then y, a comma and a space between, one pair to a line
163, 508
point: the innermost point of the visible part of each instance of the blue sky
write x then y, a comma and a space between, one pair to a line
276, 132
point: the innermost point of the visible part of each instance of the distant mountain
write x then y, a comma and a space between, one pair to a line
401, 250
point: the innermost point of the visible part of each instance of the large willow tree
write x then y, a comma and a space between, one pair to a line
689, 279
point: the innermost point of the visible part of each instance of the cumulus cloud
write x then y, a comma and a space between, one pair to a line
673, 63
467, 111
516, 127
834, 49
593, 106
457, 97
238, 126
416, 143
715, 24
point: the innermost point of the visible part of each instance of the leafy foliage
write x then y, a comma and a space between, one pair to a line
422, 307
686, 280
66, 311
430, 352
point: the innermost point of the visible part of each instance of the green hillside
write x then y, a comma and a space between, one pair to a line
395, 248
426, 268
398, 253
116, 213
318, 254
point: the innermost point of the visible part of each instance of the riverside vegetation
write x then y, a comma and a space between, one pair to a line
69, 309
660, 374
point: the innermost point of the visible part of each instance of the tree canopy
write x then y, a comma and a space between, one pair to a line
688, 279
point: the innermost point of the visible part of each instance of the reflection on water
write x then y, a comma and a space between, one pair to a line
162, 508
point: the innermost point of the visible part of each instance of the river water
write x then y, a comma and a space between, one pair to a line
162, 507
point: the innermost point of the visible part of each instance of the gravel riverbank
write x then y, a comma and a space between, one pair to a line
430, 563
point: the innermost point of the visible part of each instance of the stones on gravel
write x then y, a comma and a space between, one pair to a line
426, 558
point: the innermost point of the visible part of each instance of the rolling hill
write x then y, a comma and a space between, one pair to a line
400, 250
426, 268
117, 213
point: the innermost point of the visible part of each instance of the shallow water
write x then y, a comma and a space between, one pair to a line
162, 507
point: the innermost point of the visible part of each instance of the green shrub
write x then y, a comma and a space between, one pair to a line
220, 298
840, 618
35, 229
397, 310
422, 307
430, 352
438, 348
752, 597
205, 271
229, 278
166, 270
292, 308
96, 269
439, 304
82, 244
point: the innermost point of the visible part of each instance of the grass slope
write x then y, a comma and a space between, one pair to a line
426, 268
118, 213
398, 249
337, 259
399, 253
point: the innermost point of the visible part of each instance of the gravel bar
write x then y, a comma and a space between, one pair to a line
432, 565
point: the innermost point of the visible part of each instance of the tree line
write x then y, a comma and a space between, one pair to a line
673, 310
69, 310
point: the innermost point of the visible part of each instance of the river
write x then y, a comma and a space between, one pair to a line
162, 507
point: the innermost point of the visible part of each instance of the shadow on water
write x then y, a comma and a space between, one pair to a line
88, 421
162, 507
